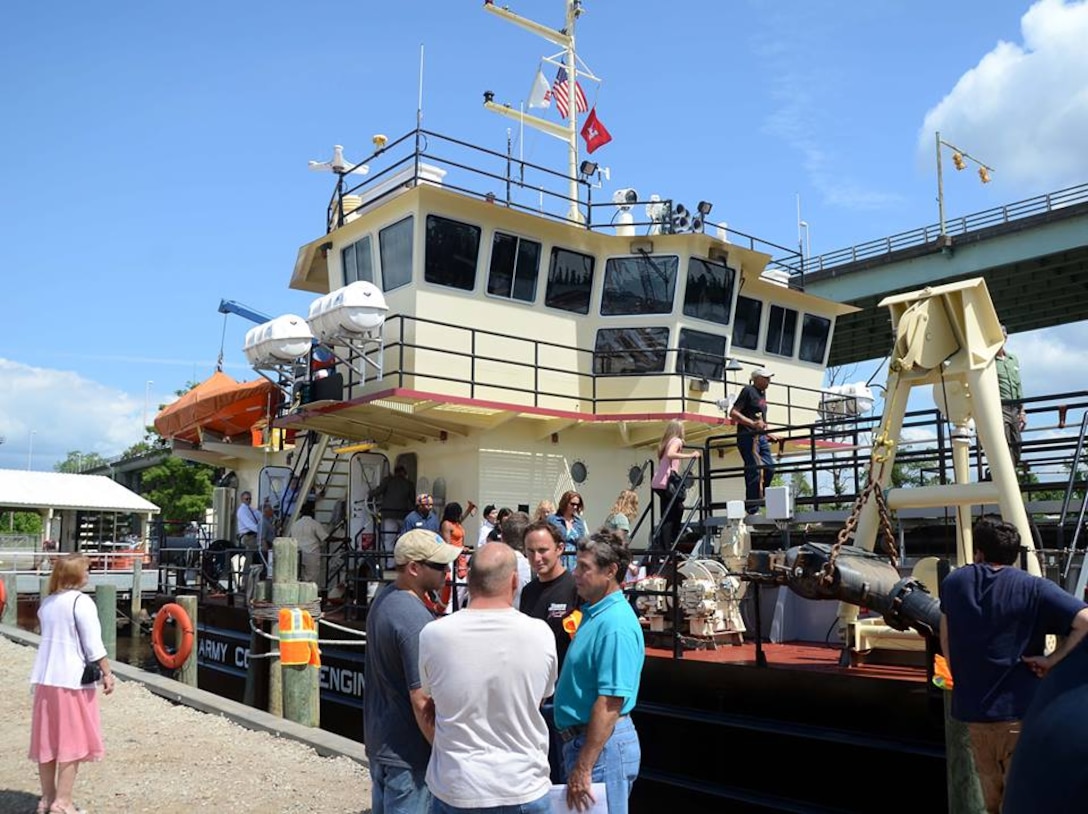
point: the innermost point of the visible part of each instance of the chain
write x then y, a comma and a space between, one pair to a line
881, 454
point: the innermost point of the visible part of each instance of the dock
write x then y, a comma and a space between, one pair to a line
172, 748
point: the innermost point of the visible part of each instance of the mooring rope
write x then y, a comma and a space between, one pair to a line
341, 642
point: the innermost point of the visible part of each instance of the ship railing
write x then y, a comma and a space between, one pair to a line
997, 216
508, 180
479, 364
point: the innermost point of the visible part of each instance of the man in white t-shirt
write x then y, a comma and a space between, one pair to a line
487, 669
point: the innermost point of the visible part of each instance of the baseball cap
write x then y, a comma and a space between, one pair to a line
419, 545
762, 371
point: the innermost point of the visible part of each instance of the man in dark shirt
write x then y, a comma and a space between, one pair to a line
551, 596
398, 724
749, 413
994, 623
397, 495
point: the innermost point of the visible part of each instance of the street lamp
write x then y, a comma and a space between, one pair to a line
958, 157
147, 397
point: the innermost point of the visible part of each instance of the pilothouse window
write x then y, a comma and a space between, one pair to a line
622, 351
781, 331
452, 250
701, 354
357, 263
515, 266
709, 292
570, 279
814, 333
395, 245
746, 326
639, 285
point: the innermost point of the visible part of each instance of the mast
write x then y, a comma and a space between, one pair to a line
568, 58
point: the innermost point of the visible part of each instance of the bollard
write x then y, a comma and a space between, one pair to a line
187, 672
136, 598
105, 599
11, 604
299, 680
964, 790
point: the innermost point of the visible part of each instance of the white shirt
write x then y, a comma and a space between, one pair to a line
525, 576
309, 534
249, 522
59, 662
488, 671
485, 529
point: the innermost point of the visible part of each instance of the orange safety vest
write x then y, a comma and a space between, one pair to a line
298, 638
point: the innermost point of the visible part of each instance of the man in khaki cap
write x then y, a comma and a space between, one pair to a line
397, 727
749, 414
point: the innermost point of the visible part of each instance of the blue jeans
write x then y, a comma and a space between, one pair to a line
617, 765
555, 744
396, 790
539, 806
755, 450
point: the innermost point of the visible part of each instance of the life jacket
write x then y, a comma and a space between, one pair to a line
298, 638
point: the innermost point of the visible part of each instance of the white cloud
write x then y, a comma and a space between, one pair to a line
65, 412
1024, 107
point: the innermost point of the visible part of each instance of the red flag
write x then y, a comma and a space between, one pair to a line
594, 132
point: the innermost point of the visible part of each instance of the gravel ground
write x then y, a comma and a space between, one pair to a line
165, 758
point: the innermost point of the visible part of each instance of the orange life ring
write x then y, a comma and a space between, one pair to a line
172, 661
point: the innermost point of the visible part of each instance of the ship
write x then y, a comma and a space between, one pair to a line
483, 323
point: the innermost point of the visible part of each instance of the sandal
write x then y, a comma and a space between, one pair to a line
44, 805
73, 809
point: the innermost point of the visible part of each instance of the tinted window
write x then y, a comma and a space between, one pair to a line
452, 250
781, 331
709, 292
515, 265
639, 285
814, 333
570, 278
746, 326
630, 350
357, 262
395, 245
701, 354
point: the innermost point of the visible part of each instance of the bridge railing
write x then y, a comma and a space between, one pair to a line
968, 223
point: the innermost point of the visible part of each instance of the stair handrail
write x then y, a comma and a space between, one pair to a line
1068, 497
647, 466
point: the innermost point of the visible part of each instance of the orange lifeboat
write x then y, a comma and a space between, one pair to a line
219, 404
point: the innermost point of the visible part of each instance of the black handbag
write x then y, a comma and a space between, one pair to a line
92, 673
678, 485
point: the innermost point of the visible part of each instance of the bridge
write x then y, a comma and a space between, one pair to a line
1032, 253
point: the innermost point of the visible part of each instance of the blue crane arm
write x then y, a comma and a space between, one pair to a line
232, 307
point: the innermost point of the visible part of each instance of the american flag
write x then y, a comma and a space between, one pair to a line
561, 94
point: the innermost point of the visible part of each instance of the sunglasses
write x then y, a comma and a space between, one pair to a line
575, 505
437, 566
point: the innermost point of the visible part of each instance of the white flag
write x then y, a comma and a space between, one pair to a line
541, 95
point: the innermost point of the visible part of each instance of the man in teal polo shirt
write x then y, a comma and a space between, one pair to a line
598, 685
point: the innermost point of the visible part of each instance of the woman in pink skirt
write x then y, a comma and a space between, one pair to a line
65, 729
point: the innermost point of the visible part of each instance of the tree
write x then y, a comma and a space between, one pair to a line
20, 523
79, 461
182, 489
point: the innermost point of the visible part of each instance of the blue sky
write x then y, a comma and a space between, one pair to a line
153, 157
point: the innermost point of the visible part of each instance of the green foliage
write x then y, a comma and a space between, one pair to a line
79, 462
182, 489
20, 523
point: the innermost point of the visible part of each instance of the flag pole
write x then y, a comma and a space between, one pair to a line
573, 10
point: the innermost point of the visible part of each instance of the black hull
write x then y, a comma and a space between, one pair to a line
714, 736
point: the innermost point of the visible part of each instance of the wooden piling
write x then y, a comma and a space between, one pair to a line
105, 599
964, 789
11, 604
257, 646
187, 672
136, 599
300, 703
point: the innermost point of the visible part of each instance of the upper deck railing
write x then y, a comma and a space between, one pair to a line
921, 236
509, 180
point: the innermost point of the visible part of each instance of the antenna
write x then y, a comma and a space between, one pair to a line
339, 164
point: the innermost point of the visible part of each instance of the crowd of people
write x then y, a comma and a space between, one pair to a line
529, 685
